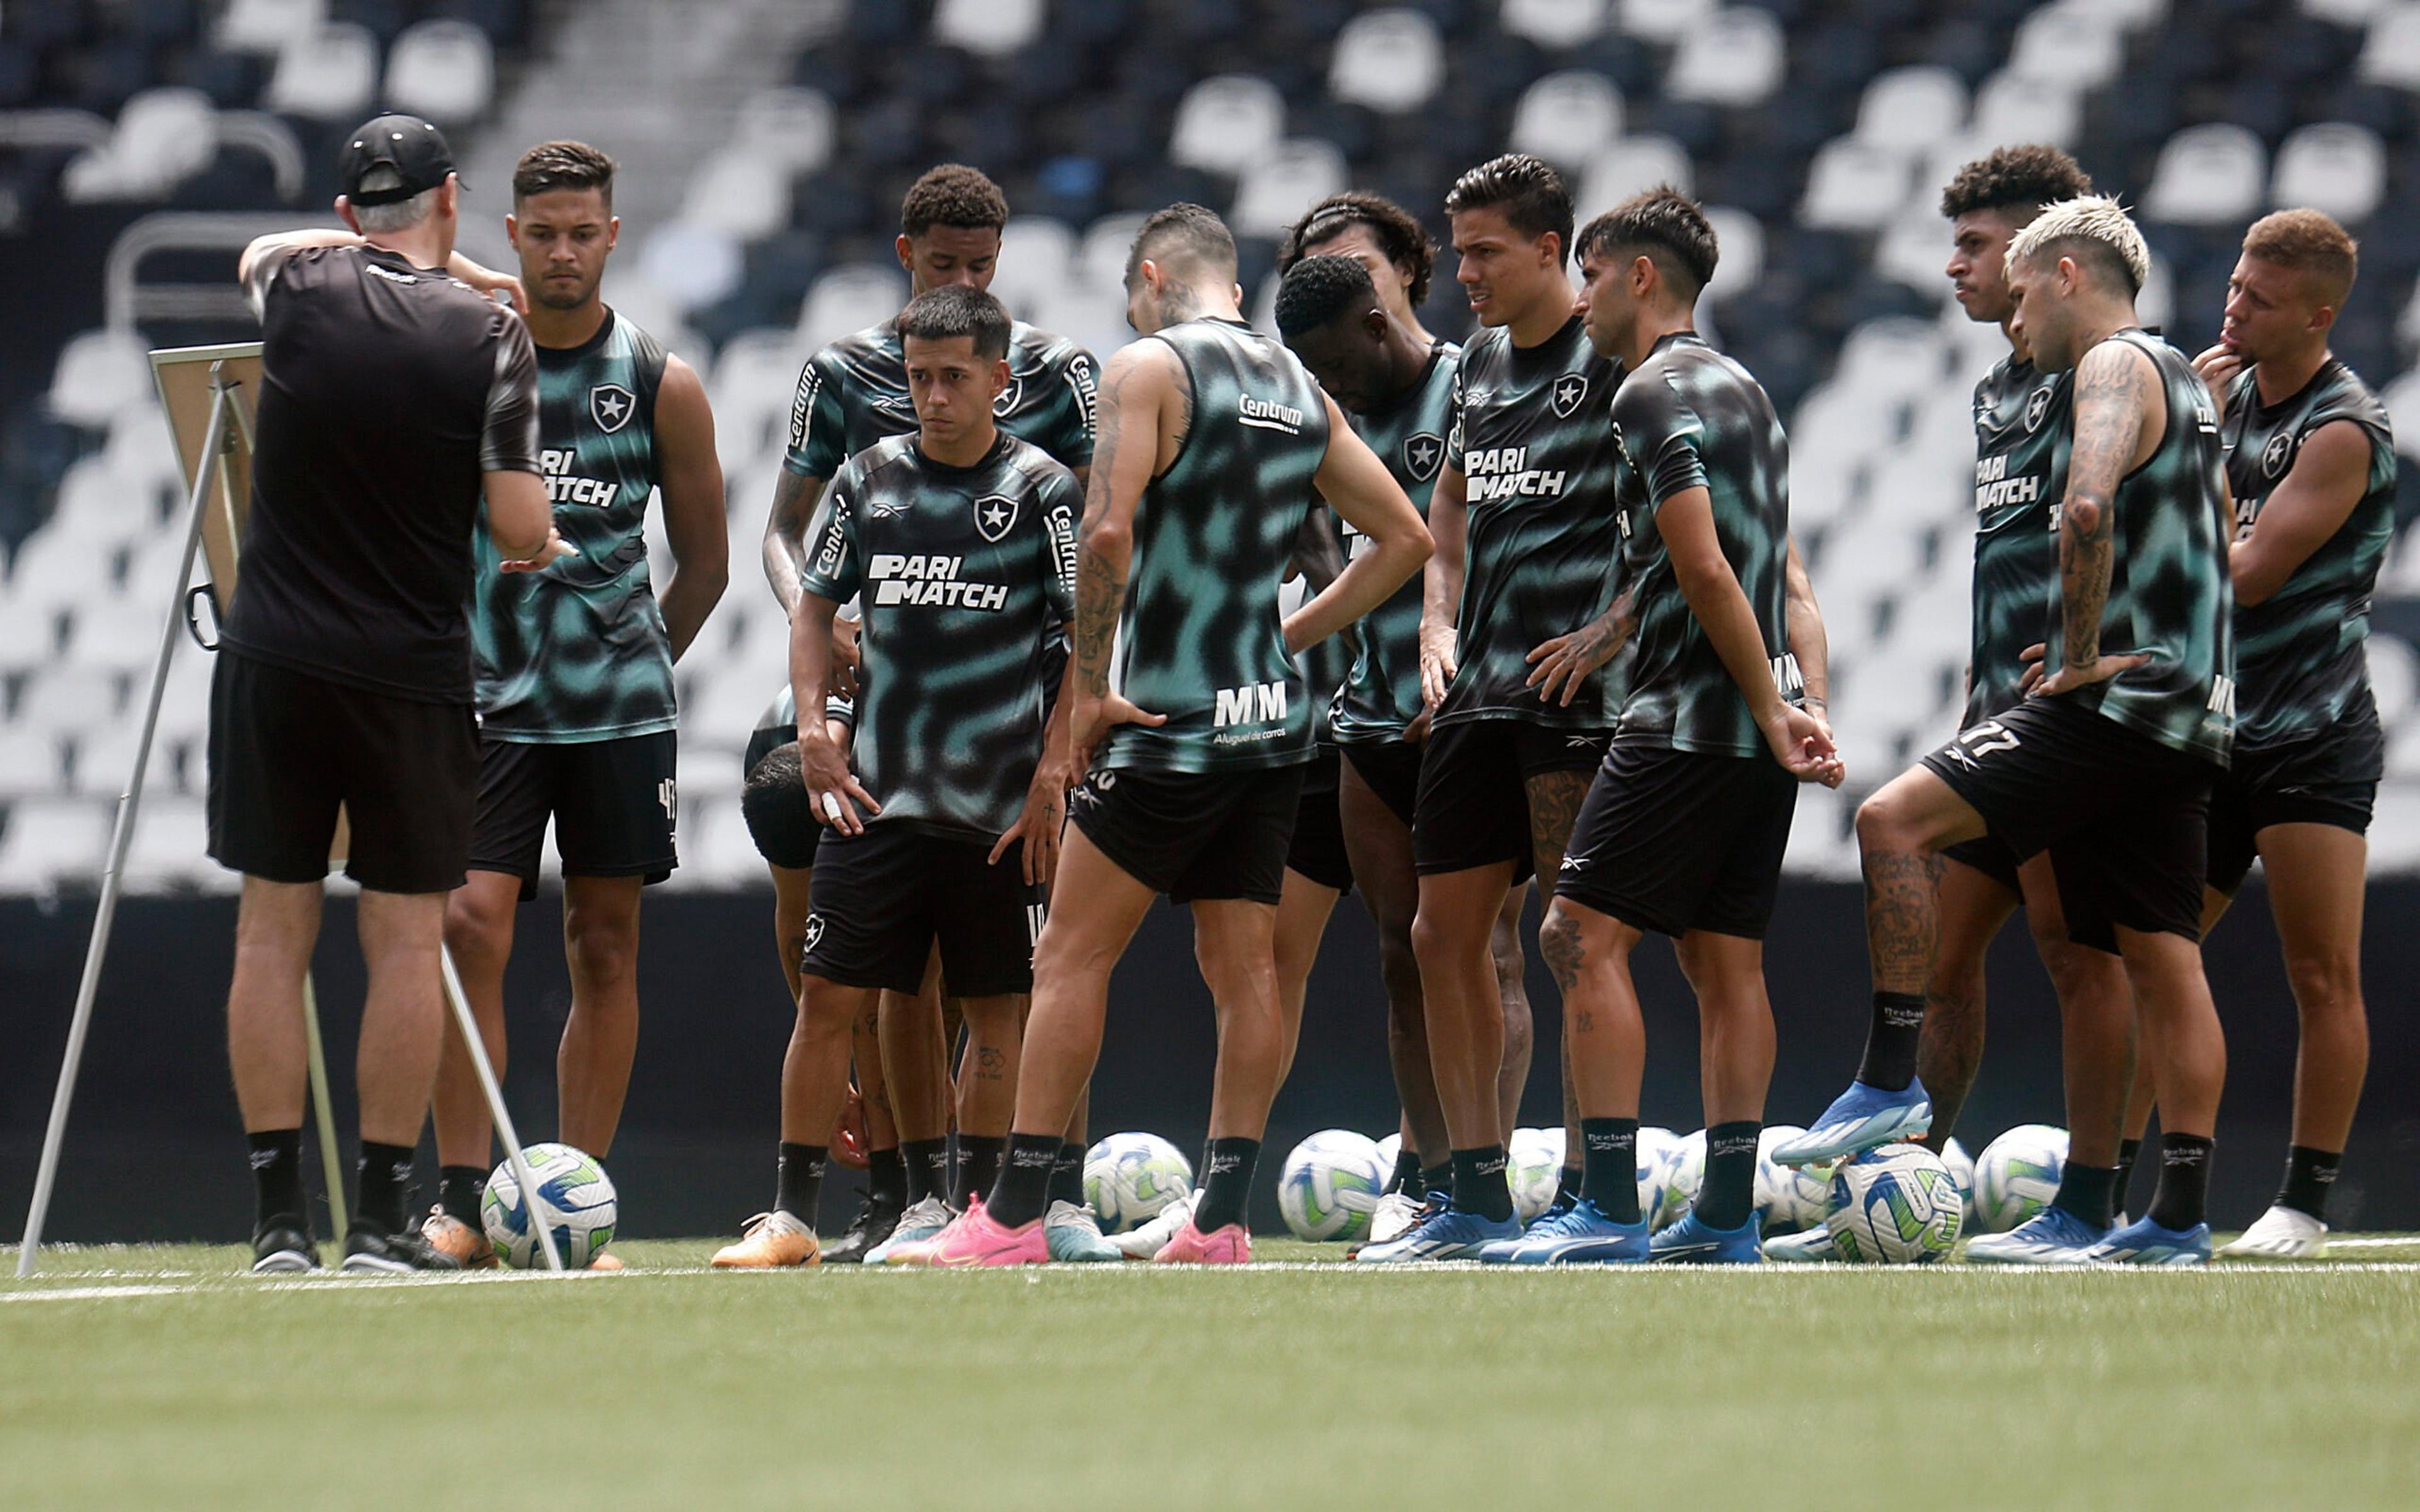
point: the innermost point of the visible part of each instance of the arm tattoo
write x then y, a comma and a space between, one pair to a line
1100, 584
2113, 391
786, 535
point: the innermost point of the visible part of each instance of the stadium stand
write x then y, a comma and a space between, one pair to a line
766, 146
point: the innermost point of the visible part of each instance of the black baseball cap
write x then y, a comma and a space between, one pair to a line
409, 145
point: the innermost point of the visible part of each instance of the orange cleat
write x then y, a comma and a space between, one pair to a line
449, 1235
770, 1241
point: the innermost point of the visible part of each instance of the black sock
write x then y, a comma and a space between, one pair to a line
1407, 1178
978, 1166
2310, 1174
929, 1168
2129, 1151
1227, 1186
1067, 1175
1609, 1150
798, 1180
1479, 1183
1727, 1198
458, 1191
1023, 1189
2182, 1198
278, 1181
1437, 1180
381, 1178
1568, 1183
2088, 1191
886, 1179
1890, 1042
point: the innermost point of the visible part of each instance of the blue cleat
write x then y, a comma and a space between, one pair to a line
1449, 1233
2051, 1237
1579, 1235
1690, 1242
2144, 1242
1859, 1119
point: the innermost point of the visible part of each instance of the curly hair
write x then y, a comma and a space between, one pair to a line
1533, 196
1667, 226
952, 195
2310, 243
553, 165
2021, 179
1316, 290
1401, 238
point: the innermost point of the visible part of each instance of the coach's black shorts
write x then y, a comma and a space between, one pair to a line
773, 799
614, 803
880, 899
1392, 770
1473, 806
1674, 840
287, 749
1197, 836
2125, 817
2331, 778
1317, 848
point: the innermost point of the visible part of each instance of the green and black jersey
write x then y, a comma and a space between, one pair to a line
854, 393
577, 651
965, 575
1381, 696
1692, 417
2017, 426
1203, 640
2301, 666
2170, 597
1537, 456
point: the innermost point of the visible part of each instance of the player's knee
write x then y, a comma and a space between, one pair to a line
1399, 971
1438, 944
601, 942
1882, 823
1562, 943
475, 930
2326, 985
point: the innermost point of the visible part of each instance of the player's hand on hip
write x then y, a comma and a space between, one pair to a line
1803, 744
2218, 365
556, 549
1437, 663
1094, 718
831, 787
2067, 679
1568, 661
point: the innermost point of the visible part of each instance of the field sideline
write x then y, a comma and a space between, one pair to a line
161, 1376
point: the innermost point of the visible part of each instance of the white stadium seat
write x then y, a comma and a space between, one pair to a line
1272, 192
1632, 164
329, 74
102, 374
2393, 674
693, 263
2346, 12
790, 126
70, 699
268, 25
2015, 107
1664, 21
2212, 175
1101, 255
754, 376
1739, 243
740, 192
1224, 124
31, 762
2391, 54
51, 840
1390, 61
2331, 167
171, 849
850, 299
1735, 58
162, 137
105, 760
1035, 255
2080, 45
1567, 117
1820, 840
443, 70
2395, 829
988, 28
1892, 357
1855, 186
1553, 22
1912, 109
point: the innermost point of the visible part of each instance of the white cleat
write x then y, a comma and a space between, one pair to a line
1808, 1246
1144, 1242
1393, 1217
2282, 1233
919, 1223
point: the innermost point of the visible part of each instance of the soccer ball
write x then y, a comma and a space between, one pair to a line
2018, 1175
1129, 1176
575, 1202
1390, 1150
1535, 1169
1962, 1170
1894, 1206
1788, 1198
1655, 1144
1683, 1171
1331, 1185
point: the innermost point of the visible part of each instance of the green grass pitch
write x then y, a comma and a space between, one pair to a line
163, 1378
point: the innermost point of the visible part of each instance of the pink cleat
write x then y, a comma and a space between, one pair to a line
1227, 1245
972, 1240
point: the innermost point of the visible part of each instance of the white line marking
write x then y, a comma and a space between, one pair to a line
93, 1293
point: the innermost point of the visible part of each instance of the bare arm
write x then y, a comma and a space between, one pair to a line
831, 786
281, 244
2310, 504
692, 480
1807, 642
1044, 817
1704, 576
521, 521
1137, 388
1318, 556
785, 555
1441, 583
2116, 389
1359, 487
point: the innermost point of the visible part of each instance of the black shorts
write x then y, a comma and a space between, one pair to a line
2124, 816
614, 803
1317, 849
1473, 806
287, 749
2331, 778
881, 899
1675, 841
780, 817
1392, 770
1197, 836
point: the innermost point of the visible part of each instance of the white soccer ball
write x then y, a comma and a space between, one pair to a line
1534, 1167
1788, 1198
2017, 1176
1894, 1206
575, 1203
1129, 1176
1331, 1184
1962, 1170
1683, 1171
1654, 1145
1390, 1150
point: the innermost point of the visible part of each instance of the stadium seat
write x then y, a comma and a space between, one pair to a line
104, 760
1739, 240
1631, 165
793, 127
50, 841
2212, 175
268, 25
1555, 24
70, 699
1101, 255
753, 376
31, 762
443, 70
1272, 192
1035, 255
2394, 830
1822, 843
2078, 43
2394, 676
988, 28
1567, 117
1390, 61
1664, 21
329, 74
2015, 107
2357, 13
2333, 167
170, 849
850, 299
740, 193
162, 137
1225, 124
1853, 185
2391, 52
1735, 58
1912, 109
693, 263
99, 375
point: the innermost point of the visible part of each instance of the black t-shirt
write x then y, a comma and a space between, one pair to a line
387, 390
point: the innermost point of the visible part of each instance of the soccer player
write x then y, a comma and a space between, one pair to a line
1213, 438
2113, 756
1524, 515
961, 541
1395, 383
853, 393
577, 715
2310, 462
1686, 823
394, 397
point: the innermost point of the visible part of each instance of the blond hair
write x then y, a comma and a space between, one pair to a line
2093, 228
